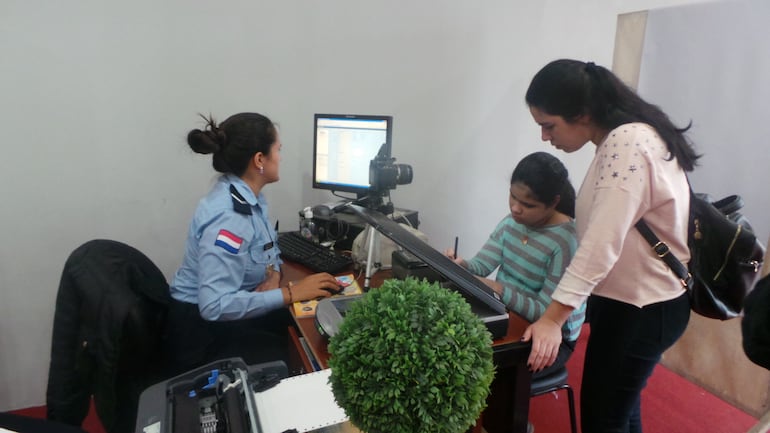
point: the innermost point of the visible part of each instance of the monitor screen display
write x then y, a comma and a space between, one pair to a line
344, 144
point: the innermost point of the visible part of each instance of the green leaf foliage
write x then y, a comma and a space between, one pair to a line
411, 357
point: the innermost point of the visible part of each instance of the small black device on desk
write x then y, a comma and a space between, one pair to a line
342, 225
316, 257
406, 264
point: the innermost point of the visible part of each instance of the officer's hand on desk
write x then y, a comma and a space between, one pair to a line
314, 286
272, 280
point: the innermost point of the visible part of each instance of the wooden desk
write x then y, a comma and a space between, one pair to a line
508, 404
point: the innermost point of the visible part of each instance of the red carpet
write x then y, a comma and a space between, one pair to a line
91, 424
670, 404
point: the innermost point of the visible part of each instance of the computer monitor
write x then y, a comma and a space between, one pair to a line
343, 147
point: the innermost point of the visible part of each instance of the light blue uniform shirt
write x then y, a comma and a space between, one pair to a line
230, 245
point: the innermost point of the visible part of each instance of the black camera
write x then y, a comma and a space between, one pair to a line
385, 174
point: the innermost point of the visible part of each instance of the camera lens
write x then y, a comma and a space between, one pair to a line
388, 176
403, 174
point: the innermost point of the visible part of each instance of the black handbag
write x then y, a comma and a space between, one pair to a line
725, 256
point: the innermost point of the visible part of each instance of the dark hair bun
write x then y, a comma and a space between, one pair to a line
205, 142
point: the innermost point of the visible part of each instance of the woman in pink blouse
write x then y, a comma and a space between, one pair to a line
637, 306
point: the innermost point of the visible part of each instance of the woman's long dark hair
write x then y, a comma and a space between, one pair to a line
571, 88
547, 178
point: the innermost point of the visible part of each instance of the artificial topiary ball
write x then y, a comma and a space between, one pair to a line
411, 357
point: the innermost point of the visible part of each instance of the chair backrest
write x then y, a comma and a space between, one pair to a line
108, 334
553, 381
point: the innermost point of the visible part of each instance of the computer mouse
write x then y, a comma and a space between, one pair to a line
339, 290
322, 210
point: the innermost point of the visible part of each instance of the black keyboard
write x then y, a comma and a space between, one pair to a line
318, 258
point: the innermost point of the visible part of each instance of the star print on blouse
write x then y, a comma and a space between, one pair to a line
621, 166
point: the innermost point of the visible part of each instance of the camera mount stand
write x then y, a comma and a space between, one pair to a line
374, 201
372, 242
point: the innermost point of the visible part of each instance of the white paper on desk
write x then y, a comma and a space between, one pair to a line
303, 402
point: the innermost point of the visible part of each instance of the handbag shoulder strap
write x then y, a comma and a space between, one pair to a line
664, 253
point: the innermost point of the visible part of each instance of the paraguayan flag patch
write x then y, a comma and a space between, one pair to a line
228, 241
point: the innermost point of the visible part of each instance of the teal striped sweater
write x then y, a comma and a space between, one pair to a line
529, 263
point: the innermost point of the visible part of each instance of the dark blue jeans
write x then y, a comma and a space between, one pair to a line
625, 344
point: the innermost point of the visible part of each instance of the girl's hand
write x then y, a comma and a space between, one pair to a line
450, 253
494, 285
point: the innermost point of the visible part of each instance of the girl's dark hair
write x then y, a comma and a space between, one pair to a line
571, 88
547, 178
233, 142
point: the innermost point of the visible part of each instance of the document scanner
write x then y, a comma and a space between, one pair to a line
484, 301
216, 398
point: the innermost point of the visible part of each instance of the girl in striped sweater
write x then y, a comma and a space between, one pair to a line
532, 246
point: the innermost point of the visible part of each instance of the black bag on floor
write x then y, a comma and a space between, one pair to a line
725, 256
755, 326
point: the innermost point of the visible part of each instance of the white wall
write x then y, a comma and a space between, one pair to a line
97, 98
719, 81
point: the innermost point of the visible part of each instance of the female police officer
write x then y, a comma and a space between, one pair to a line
226, 296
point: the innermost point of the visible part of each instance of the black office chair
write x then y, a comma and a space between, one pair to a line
107, 334
553, 382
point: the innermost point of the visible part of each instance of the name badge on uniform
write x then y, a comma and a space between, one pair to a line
268, 246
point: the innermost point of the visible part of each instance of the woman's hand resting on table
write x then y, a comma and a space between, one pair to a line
546, 339
546, 335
